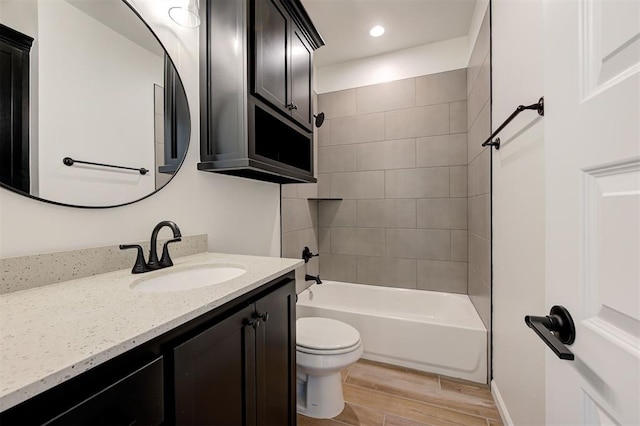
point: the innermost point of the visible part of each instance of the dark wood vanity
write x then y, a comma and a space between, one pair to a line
233, 365
256, 92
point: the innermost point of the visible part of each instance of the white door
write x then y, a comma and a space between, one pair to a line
592, 145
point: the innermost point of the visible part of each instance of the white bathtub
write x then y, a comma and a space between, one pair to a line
424, 330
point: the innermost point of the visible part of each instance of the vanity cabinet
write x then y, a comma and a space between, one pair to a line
123, 391
136, 398
241, 370
234, 365
256, 110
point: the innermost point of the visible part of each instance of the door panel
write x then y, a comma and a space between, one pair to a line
592, 138
271, 67
215, 375
275, 357
301, 57
609, 42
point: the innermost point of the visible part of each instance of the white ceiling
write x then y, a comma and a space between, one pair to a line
345, 25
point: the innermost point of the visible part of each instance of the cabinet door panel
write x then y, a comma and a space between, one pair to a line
276, 362
215, 375
134, 399
271, 59
301, 57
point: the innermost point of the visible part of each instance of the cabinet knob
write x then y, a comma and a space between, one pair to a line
253, 322
263, 316
292, 106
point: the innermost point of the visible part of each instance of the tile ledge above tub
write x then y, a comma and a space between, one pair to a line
37, 270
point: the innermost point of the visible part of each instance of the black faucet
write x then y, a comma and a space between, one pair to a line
153, 252
317, 279
141, 266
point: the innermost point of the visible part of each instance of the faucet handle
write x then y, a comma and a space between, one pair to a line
140, 266
165, 260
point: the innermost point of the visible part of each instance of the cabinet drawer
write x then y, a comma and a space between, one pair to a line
134, 399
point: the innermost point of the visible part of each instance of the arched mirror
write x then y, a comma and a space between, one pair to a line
92, 111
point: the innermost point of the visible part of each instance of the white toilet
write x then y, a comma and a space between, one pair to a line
323, 347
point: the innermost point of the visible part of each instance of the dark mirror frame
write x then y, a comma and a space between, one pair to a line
179, 126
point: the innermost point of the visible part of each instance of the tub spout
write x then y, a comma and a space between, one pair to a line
316, 278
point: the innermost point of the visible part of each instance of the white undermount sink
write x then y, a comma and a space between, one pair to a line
171, 279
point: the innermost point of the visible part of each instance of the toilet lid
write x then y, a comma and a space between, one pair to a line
325, 334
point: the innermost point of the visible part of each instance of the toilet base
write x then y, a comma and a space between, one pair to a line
320, 397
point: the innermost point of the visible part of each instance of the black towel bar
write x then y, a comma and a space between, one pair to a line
68, 161
538, 106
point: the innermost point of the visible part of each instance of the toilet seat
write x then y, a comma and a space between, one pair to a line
325, 336
327, 352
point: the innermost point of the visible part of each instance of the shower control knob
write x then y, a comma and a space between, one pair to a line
307, 255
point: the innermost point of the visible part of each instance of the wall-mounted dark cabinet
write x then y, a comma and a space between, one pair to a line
256, 110
235, 365
282, 61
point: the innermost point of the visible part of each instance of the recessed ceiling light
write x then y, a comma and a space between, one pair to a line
376, 31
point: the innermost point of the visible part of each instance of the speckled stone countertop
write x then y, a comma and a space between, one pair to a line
53, 333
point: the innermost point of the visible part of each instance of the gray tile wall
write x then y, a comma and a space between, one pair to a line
299, 226
479, 169
397, 155
479, 179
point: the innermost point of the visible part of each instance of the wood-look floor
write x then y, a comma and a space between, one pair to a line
383, 395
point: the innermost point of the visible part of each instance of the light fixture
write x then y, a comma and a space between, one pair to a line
186, 16
376, 31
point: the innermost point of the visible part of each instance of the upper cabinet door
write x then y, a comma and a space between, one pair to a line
301, 60
271, 56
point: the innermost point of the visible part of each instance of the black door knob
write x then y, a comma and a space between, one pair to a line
556, 330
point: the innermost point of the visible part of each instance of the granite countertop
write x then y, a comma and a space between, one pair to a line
53, 333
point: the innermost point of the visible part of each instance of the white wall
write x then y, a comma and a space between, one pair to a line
96, 104
431, 58
518, 210
239, 215
476, 22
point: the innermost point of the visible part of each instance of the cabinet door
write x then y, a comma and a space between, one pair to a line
276, 357
214, 374
134, 399
301, 60
271, 32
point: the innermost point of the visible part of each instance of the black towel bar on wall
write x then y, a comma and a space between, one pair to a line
538, 106
68, 161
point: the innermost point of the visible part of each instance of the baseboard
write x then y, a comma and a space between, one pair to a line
502, 408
